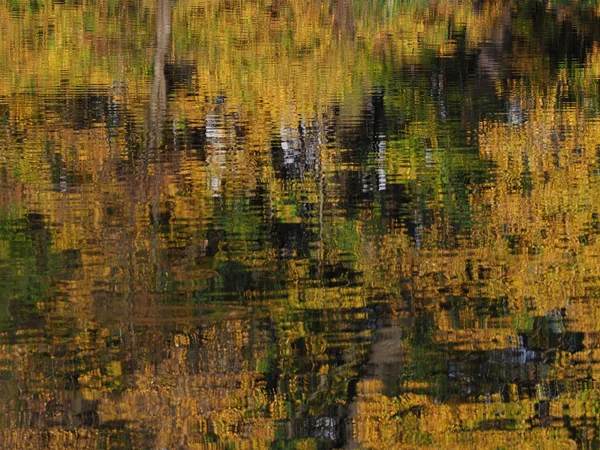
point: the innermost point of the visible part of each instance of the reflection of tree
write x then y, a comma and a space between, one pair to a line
364, 201
158, 95
490, 59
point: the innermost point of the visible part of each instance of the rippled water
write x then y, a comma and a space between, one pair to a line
294, 224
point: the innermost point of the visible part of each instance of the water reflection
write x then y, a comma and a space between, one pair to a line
158, 95
298, 225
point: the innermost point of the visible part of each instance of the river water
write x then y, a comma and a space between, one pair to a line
299, 224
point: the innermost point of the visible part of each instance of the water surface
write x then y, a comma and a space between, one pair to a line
299, 224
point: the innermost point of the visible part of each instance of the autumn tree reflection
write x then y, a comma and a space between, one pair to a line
373, 224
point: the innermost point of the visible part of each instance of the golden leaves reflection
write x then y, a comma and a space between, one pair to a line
151, 301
